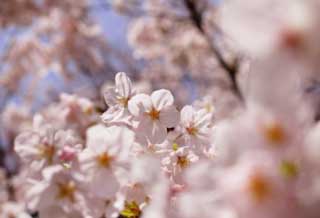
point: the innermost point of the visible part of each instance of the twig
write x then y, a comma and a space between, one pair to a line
231, 68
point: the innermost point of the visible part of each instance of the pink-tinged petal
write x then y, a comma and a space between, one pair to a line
67, 154
26, 146
139, 104
202, 119
110, 114
187, 115
56, 211
169, 116
110, 97
204, 135
98, 137
123, 85
124, 140
104, 184
117, 115
162, 98
155, 132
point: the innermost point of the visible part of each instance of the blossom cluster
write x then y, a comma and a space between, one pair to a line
247, 148
145, 157
128, 162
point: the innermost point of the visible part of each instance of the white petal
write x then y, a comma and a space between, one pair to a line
125, 140
123, 85
155, 132
98, 137
87, 160
117, 115
187, 115
110, 97
104, 184
162, 98
26, 146
169, 116
202, 119
56, 211
140, 104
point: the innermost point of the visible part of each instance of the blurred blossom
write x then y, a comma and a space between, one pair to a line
200, 108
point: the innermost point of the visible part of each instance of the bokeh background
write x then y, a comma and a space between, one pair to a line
50, 47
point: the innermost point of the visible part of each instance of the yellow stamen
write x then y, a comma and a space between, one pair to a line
274, 133
175, 146
123, 101
47, 152
66, 190
104, 160
182, 161
289, 169
131, 210
259, 187
192, 130
154, 114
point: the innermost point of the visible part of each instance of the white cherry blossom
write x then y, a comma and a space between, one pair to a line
117, 99
195, 126
107, 150
155, 114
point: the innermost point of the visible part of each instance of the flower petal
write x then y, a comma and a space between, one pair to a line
161, 99
169, 116
110, 97
187, 115
98, 184
123, 85
140, 104
26, 146
154, 130
202, 118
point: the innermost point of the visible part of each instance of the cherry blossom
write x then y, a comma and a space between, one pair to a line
195, 126
107, 150
217, 114
154, 113
117, 99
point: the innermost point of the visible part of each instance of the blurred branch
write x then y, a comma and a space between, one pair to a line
231, 68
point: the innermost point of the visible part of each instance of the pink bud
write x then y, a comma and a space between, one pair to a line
67, 154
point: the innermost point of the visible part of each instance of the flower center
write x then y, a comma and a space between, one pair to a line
274, 133
131, 210
292, 38
104, 160
175, 146
192, 130
47, 151
154, 114
258, 187
123, 101
182, 161
66, 190
289, 169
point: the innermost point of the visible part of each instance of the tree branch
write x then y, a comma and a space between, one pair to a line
231, 68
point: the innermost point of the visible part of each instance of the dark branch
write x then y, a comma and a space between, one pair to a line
231, 68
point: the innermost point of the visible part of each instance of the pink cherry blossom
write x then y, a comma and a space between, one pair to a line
154, 113
117, 99
195, 126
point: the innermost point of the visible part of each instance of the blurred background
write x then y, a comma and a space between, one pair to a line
195, 48
251, 65
49, 47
